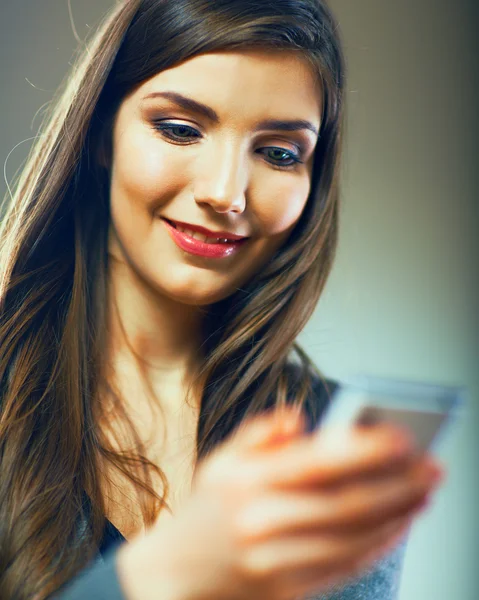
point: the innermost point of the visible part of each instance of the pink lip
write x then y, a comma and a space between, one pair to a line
194, 246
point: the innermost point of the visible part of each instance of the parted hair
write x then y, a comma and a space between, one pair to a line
53, 283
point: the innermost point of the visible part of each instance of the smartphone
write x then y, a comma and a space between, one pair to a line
426, 410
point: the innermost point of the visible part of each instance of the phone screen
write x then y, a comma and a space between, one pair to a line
426, 410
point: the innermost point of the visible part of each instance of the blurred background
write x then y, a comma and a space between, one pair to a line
403, 298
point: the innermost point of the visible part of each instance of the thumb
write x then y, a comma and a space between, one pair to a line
270, 428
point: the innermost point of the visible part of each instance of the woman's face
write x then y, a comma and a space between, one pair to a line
217, 168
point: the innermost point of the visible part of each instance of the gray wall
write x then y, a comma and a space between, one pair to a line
403, 297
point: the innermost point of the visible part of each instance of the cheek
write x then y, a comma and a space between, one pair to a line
280, 208
143, 172
277, 212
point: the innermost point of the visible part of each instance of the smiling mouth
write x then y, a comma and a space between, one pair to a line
212, 239
204, 248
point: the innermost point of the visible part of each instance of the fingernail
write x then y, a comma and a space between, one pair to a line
437, 476
436, 473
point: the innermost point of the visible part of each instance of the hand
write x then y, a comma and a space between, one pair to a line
279, 514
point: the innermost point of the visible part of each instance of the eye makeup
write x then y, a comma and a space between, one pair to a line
166, 129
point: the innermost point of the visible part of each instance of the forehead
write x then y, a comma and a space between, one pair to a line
244, 81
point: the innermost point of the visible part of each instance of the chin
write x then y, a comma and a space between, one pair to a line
192, 295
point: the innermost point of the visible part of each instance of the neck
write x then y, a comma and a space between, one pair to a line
153, 342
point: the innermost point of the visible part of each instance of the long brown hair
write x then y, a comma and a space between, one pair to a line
53, 270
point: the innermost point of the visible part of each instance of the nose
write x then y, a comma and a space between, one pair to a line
223, 181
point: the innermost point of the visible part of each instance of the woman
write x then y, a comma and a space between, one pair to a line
135, 359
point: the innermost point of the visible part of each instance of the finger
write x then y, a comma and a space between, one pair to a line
261, 431
317, 578
336, 456
369, 504
359, 564
365, 561
355, 508
322, 553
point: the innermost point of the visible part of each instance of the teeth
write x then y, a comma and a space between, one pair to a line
200, 236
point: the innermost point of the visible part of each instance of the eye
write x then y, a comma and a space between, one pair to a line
184, 133
184, 129
294, 158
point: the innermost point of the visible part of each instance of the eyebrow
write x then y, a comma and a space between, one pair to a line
209, 113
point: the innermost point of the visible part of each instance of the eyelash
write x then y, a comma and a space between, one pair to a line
162, 127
